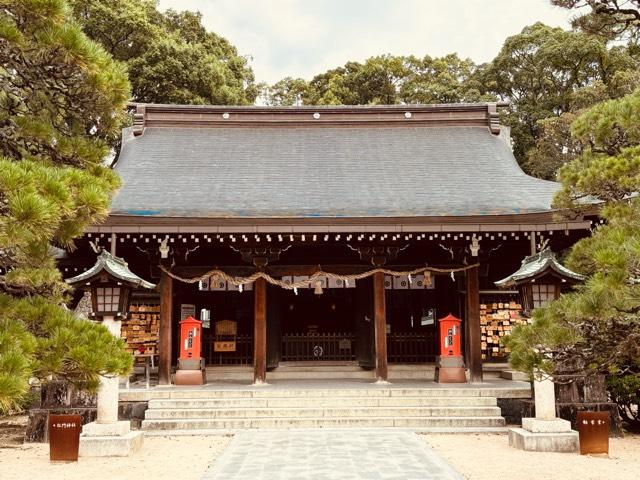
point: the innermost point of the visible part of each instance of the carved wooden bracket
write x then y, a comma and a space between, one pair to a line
261, 256
378, 255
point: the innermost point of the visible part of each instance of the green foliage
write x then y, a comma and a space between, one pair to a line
385, 79
62, 102
611, 19
40, 339
544, 72
625, 391
170, 56
597, 327
610, 170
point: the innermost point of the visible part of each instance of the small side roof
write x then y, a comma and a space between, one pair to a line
535, 266
115, 267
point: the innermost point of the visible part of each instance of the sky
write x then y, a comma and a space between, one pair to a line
301, 38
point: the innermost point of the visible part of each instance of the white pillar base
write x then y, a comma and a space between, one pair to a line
562, 442
109, 440
111, 446
108, 437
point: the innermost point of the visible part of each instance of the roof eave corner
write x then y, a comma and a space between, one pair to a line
493, 116
139, 120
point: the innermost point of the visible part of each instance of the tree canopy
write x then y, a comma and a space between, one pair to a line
385, 79
171, 57
62, 103
546, 72
612, 19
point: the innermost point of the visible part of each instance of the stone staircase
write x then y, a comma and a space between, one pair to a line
345, 371
463, 409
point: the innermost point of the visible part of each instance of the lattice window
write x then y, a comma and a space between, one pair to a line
108, 299
542, 294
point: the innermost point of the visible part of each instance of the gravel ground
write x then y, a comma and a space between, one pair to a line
480, 457
160, 458
477, 457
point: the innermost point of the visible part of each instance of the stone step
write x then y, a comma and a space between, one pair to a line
214, 375
251, 413
323, 422
295, 374
261, 392
231, 432
324, 402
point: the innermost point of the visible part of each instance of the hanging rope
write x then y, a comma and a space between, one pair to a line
318, 275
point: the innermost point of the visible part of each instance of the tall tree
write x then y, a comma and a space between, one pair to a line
540, 70
171, 57
62, 100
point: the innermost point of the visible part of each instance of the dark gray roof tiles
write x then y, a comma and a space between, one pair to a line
323, 172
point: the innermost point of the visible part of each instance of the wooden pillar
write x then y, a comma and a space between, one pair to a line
166, 323
260, 331
380, 326
472, 330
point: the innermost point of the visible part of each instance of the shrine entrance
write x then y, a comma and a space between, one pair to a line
318, 327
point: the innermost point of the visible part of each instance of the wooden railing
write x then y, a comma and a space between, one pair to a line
407, 347
242, 356
411, 347
318, 346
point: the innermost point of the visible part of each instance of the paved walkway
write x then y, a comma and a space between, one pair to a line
327, 454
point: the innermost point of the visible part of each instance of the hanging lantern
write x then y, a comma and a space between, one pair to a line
318, 289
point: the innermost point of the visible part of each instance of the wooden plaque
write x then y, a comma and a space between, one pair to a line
224, 346
593, 429
64, 437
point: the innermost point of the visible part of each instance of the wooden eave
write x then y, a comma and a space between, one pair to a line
487, 223
471, 114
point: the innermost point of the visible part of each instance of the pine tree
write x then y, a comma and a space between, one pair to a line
596, 328
62, 104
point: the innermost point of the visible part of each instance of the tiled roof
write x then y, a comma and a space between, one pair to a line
306, 171
115, 266
535, 266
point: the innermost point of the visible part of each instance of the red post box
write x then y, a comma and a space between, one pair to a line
190, 338
450, 364
190, 366
450, 336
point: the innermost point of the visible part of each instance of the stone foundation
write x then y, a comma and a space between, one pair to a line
564, 442
111, 446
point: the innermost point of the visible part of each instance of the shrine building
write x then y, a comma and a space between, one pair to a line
325, 235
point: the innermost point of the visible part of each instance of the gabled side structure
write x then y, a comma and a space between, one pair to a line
213, 195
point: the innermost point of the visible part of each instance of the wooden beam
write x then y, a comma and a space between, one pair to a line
260, 331
380, 326
166, 320
473, 352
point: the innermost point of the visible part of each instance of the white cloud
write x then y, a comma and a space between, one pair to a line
301, 38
